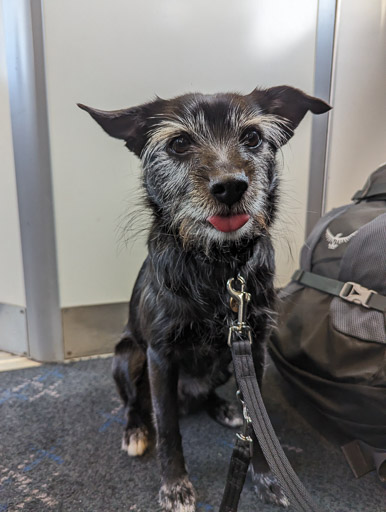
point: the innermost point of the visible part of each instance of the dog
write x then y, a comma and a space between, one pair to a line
211, 184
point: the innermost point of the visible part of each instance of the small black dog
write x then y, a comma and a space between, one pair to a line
211, 184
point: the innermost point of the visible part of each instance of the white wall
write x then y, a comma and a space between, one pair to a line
120, 53
11, 265
358, 122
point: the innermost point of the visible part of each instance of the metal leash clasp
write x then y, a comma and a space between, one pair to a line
239, 302
247, 419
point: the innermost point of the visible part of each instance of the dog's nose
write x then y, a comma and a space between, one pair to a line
229, 191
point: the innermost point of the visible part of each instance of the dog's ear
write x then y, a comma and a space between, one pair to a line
128, 124
290, 103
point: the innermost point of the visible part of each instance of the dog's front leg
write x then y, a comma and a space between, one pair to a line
177, 493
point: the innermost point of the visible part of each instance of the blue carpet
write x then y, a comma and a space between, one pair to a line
60, 437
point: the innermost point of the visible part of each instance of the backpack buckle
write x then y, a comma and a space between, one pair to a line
354, 292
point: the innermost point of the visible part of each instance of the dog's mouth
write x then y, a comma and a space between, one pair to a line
228, 223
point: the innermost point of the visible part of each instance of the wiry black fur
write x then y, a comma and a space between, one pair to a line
173, 354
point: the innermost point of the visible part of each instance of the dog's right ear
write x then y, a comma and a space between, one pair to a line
126, 124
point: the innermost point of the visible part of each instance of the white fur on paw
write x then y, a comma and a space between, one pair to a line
178, 497
124, 443
135, 442
228, 415
235, 421
268, 490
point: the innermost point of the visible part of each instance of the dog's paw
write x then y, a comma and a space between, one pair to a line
178, 497
135, 441
226, 414
268, 489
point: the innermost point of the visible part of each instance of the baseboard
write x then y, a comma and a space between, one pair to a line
92, 330
87, 330
13, 329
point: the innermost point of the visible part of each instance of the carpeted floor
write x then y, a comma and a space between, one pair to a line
60, 438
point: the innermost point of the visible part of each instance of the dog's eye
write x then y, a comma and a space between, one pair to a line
181, 144
251, 138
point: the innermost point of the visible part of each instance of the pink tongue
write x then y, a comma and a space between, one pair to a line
227, 224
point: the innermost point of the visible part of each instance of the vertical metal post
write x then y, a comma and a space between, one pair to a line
23, 28
324, 58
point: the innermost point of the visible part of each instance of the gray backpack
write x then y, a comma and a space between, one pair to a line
330, 341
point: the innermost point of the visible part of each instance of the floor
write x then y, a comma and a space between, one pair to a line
11, 362
61, 427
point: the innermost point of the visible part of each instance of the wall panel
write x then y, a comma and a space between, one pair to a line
118, 53
358, 124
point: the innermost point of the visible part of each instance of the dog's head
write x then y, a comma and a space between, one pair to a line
209, 160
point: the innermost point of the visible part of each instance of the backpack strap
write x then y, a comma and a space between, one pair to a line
375, 186
349, 291
363, 458
376, 189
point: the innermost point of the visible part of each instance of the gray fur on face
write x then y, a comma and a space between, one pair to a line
180, 186
177, 186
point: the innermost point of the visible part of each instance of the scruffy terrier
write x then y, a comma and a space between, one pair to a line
211, 184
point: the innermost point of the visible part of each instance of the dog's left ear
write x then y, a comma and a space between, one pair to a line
128, 124
287, 102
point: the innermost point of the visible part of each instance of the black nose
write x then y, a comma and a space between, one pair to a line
229, 191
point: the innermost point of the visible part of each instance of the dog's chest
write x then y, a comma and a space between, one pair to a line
201, 368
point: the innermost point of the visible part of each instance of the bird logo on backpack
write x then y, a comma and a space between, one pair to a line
335, 241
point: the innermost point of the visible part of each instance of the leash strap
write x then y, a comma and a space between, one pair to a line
268, 441
256, 416
237, 473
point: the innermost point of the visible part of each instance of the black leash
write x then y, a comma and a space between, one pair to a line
237, 473
256, 420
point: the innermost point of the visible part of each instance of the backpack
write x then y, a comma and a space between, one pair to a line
330, 340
